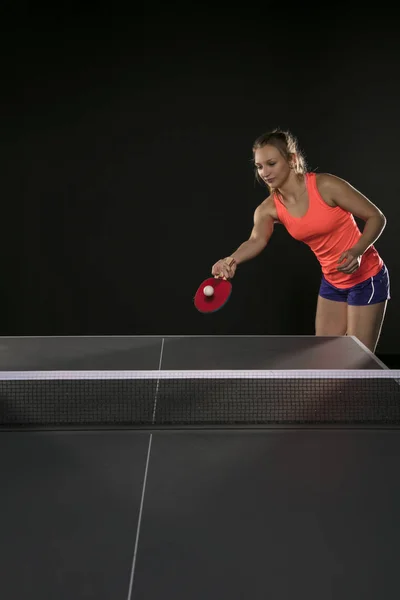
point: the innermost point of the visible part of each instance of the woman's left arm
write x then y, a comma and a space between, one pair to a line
341, 193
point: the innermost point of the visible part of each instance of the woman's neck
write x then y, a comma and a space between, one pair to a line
293, 188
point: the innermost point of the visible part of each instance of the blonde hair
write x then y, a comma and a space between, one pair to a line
288, 146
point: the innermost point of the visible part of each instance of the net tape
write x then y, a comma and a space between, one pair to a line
205, 374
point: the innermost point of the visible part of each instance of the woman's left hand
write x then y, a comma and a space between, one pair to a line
352, 261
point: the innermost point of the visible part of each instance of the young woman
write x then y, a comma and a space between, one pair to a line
319, 210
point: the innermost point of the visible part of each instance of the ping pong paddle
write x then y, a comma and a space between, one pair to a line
219, 294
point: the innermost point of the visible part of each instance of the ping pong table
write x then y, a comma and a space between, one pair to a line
117, 504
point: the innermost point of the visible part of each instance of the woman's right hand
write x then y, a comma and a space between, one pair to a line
226, 268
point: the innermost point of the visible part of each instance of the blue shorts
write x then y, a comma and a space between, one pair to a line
371, 291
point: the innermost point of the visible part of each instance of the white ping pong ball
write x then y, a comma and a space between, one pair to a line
208, 290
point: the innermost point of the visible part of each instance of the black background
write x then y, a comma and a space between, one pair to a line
126, 155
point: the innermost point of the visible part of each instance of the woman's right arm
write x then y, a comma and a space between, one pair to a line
259, 238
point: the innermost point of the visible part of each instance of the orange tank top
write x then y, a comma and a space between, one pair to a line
329, 231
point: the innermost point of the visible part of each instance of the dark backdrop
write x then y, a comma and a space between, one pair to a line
126, 147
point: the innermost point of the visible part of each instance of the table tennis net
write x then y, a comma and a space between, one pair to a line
198, 398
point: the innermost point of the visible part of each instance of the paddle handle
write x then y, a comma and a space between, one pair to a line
230, 261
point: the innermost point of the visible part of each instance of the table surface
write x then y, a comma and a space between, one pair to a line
307, 512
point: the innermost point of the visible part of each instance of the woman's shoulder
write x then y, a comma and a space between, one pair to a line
267, 208
327, 184
327, 180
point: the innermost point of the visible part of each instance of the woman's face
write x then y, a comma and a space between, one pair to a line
271, 166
